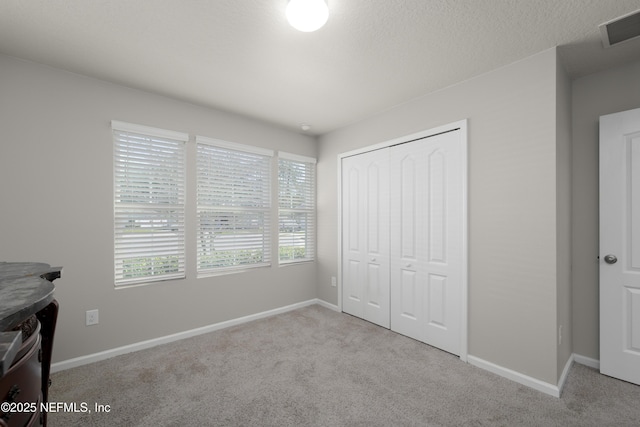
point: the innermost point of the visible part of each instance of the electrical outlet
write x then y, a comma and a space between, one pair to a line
334, 282
92, 317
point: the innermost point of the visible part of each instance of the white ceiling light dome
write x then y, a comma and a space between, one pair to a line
307, 15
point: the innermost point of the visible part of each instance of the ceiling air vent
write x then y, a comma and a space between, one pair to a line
621, 29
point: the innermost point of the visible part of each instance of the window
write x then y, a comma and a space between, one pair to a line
149, 203
296, 203
233, 206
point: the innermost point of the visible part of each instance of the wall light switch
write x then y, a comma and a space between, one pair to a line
334, 282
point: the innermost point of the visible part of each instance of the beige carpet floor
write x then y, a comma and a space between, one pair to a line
316, 367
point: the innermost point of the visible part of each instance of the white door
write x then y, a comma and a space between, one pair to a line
620, 245
427, 240
365, 236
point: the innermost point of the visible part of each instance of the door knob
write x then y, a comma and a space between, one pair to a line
610, 259
373, 260
408, 266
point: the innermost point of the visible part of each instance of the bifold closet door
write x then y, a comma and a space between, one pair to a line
365, 236
426, 258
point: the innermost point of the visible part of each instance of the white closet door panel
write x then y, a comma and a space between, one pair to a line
437, 204
437, 300
352, 301
373, 211
408, 191
376, 308
353, 201
409, 297
406, 295
426, 207
408, 177
365, 201
352, 283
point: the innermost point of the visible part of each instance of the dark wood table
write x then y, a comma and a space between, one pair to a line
26, 290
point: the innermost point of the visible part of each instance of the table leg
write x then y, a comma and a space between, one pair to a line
47, 317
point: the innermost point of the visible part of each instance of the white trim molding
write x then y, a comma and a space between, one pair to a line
587, 361
142, 345
148, 130
328, 305
234, 146
565, 373
296, 157
544, 387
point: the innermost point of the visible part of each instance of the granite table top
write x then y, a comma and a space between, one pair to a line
24, 291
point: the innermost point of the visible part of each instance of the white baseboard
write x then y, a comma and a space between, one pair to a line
587, 361
107, 354
327, 305
548, 388
534, 383
565, 374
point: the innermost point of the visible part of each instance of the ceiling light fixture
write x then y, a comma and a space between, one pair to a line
307, 15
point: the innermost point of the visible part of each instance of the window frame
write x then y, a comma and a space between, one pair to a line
236, 213
156, 205
309, 209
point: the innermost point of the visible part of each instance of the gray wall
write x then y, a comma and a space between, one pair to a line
563, 220
56, 166
593, 96
512, 205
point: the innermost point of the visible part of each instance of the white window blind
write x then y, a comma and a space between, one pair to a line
149, 203
233, 206
296, 208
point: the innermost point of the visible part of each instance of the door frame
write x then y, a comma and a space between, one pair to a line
462, 127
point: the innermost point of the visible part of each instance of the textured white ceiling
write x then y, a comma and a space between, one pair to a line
242, 56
